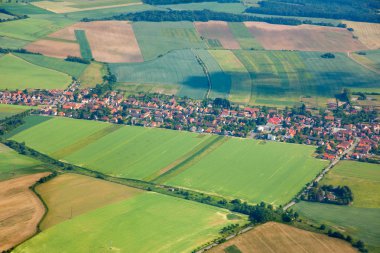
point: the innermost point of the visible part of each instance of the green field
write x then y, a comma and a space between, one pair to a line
10, 110
22, 9
13, 164
29, 122
17, 73
361, 223
214, 6
362, 178
179, 68
85, 49
243, 36
167, 36
71, 68
144, 223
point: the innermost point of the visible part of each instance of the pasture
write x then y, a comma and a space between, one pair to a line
362, 178
304, 37
93, 75
368, 33
179, 68
253, 171
10, 110
20, 210
281, 238
360, 223
17, 73
167, 36
219, 31
70, 195
138, 224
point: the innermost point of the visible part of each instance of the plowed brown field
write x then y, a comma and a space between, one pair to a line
218, 30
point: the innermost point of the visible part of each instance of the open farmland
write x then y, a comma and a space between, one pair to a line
179, 68
367, 33
246, 169
362, 178
139, 224
240, 91
13, 164
304, 37
243, 36
93, 75
70, 195
20, 210
10, 110
17, 73
368, 59
219, 31
280, 238
167, 36
361, 223
54, 48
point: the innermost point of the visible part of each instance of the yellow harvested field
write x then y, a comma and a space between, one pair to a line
110, 41
368, 33
70, 195
93, 75
218, 30
20, 210
304, 37
279, 238
66, 6
52, 48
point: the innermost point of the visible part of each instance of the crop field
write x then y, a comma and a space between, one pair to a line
167, 36
243, 36
17, 73
73, 69
54, 48
304, 37
75, 5
139, 224
10, 110
240, 91
214, 6
368, 33
23, 9
362, 223
70, 195
249, 171
13, 164
371, 60
217, 30
281, 238
362, 178
30, 121
93, 75
20, 210
84, 45
179, 68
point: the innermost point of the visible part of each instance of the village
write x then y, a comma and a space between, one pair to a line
331, 130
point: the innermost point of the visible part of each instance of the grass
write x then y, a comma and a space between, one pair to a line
362, 178
73, 69
17, 73
243, 36
29, 122
361, 223
253, 171
71, 195
167, 36
240, 91
12, 164
23, 9
93, 75
178, 68
10, 110
85, 48
214, 6
139, 224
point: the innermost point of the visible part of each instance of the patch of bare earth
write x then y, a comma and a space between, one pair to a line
218, 30
20, 210
304, 37
58, 49
110, 41
275, 237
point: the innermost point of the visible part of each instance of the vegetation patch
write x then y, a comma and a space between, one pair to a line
218, 30
85, 49
10, 110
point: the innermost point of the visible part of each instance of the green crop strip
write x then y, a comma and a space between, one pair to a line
85, 48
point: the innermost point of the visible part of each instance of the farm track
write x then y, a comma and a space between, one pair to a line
85, 141
191, 158
363, 64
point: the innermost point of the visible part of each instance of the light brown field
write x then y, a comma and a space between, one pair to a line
304, 37
58, 49
110, 41
93, 75
218, 30
368, 33
20, 210
279, 238
70, 195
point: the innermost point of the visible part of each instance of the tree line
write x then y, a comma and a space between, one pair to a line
13, 16
166, 2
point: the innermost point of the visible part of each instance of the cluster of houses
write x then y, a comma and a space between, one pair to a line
295, 125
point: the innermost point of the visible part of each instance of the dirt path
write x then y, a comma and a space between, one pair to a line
20, 210
362, 64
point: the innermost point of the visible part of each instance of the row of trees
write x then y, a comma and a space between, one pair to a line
12, 16
164, 2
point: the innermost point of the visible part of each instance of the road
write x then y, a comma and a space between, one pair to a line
324, 172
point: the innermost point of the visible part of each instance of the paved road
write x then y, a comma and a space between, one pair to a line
323, 173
